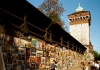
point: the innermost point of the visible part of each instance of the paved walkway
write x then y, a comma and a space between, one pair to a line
76, 68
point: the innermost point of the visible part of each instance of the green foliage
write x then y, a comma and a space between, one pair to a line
96, 55
53, 10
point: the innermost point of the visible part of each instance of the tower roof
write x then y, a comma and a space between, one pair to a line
79, 8
79, 12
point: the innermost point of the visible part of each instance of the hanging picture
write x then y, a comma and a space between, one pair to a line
32, 59
2, 38
43, 45
33, 43
39, 53
38, 59
52, 55
5, 48
22, 43
22, 50
17, 41
43, 60
27, 44
8, 40
44, 53
53, 48
32, 65
47, 46
51, 60
48, 60
33, 52
13, 49
39, 45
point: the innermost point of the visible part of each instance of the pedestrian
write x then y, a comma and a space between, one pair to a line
53, 65
86, 66
97, 65
82, 65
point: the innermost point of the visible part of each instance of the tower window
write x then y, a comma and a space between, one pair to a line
87, 16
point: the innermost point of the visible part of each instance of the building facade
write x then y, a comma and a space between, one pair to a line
80, 22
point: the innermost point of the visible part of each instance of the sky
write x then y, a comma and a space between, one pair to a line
70, 7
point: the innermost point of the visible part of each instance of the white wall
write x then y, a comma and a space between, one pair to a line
81, 32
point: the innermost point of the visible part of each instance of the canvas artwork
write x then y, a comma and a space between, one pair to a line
51, 60
64, 63
64, 49
27, 44
17, 41
22, 43
13, 49
33, 52
8, 40
21, 50
57, 49
32, 65
43, 60
39, 45
11, 41
53, 48
48, 60
39, 53
33, 43
64, 54
2, 38
47, 46
44, 53
43, 45
38, 60
5, 48
32, 59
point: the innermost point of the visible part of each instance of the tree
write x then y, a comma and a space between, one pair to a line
96, 55
53, 10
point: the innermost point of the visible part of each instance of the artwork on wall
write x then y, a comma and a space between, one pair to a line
17, 41
39, 45
13, 49
39, 53
22, 50
43, 60
33, 43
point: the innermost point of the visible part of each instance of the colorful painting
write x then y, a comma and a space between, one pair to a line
33, 43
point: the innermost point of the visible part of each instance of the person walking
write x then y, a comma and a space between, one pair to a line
53, 65
97, 65
82, 65
86, 66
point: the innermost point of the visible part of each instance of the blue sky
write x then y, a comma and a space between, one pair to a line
70, 6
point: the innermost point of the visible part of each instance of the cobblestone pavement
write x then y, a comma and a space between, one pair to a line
76, 68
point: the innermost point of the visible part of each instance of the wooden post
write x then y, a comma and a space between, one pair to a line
61, 41
45, 36
50, 37
24, 27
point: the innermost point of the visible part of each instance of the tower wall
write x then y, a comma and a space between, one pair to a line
81, 33
80, 26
